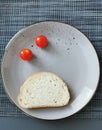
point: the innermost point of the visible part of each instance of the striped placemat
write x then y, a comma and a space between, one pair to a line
86, 15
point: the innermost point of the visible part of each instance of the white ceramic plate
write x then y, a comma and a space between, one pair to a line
69, 54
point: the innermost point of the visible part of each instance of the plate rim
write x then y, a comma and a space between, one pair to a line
20, 31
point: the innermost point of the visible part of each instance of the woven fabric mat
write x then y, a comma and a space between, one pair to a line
86, 15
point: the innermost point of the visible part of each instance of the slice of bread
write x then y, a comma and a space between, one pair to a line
43, 89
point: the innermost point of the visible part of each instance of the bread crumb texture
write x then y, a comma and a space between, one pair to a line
43, 89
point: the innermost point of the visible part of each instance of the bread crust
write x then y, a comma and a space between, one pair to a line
42, 106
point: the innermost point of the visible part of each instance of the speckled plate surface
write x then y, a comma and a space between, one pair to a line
69, 54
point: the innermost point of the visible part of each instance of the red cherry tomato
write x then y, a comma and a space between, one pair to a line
41, 41
25, 54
